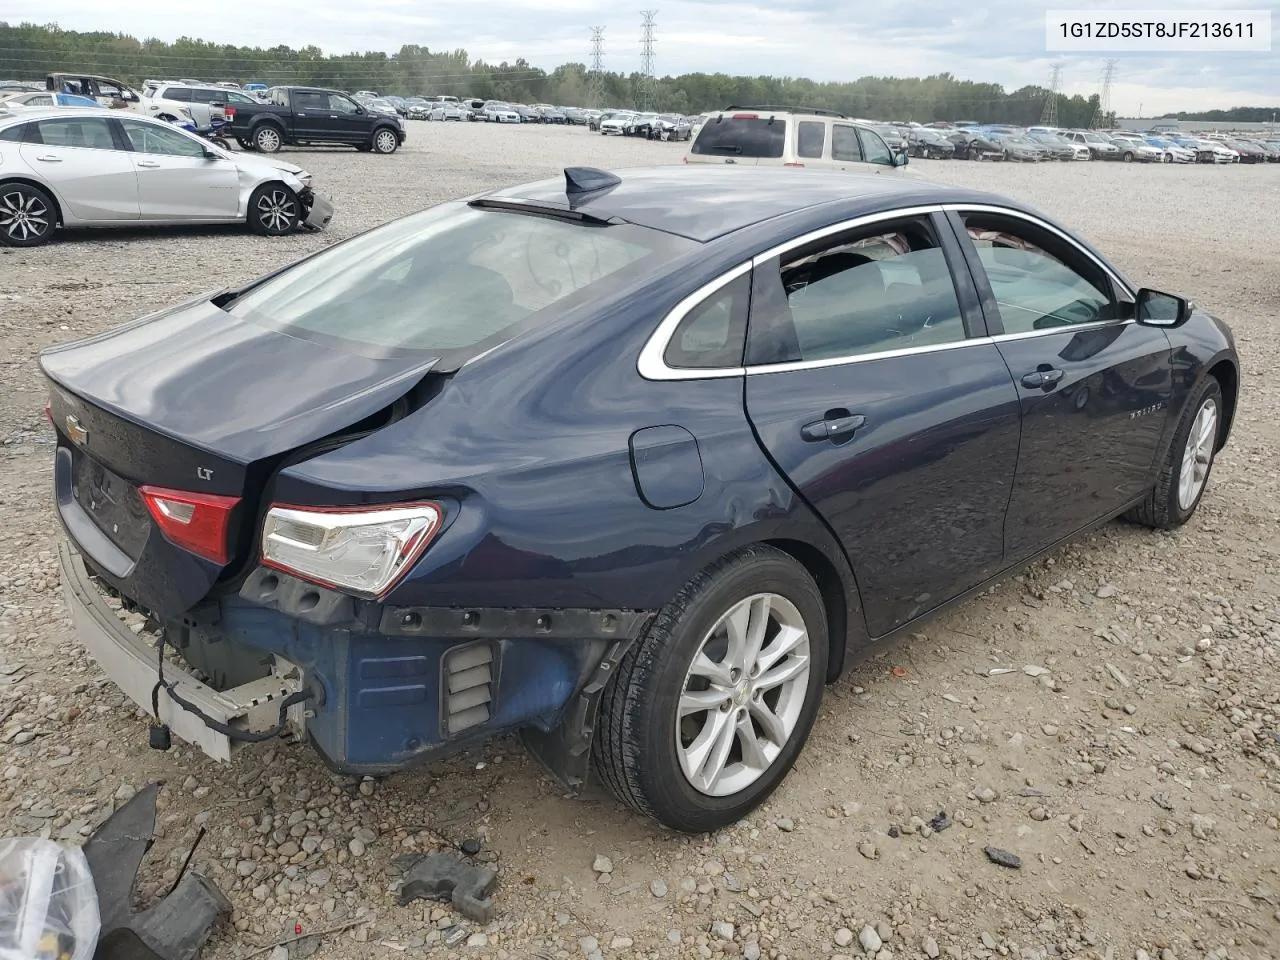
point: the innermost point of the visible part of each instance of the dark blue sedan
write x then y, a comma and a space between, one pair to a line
629, 463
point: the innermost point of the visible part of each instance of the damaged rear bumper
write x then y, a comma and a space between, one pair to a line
393, 686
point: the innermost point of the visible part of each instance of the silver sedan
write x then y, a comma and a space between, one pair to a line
96, 168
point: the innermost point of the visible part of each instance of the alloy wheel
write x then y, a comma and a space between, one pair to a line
24, 216
267, 140
385, 141
743, 695
1197, 458
277, 210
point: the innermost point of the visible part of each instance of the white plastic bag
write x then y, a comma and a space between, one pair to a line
48, 903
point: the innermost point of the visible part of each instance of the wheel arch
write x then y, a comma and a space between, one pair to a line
838, 598
1228, 377
44, 188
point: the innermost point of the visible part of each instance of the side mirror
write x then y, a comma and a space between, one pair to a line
1156, 309
210, 155
900, 159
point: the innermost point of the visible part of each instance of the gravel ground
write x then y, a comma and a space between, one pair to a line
1130, 758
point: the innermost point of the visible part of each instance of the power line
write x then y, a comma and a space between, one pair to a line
1049, 116
647, 90
595, 82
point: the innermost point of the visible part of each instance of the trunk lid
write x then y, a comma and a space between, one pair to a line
197, 400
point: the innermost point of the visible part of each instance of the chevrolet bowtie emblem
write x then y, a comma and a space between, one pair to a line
75, 430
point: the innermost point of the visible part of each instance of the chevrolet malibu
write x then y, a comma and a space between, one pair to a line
631, 463
99, 168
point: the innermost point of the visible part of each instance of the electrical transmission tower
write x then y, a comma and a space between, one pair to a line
595, 80
1104, 98
647, 85
1049, 115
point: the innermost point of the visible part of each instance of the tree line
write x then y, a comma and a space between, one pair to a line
30, 51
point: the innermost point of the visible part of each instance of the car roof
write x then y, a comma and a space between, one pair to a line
706, 201
47, 113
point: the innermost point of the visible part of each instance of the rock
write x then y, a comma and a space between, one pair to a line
476, 939
785, 824
986, 795
261, 892
940, 822
868, 850
713, 868
190, 784
722, 930
751, 951
843, 937
602, 864
367, 787
1031, 670
1003, 858
288, 849
1049, 729
620, 943
588, 944
869, 939
930, 948
688, 885
365, 835
280, 952
125, 792
1104, 592
988, 940
658, 887
673, 936
884, 931
1038, 813
356, 846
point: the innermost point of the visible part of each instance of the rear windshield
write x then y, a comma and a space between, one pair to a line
453, 281
741, 137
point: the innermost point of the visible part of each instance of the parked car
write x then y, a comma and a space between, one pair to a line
105, 91
1249, 152
1020, 148
616, 123
552, 114
203, 104
929, 144
417, 108
1215, 151
497, 111
1135, 148
804, 426
528, 114
670, 126
766, 137
381, 106
309, 115
1059, 148
575, 115
104, 168
448, 111
1100, 147
44, 98
594, 122
20, 86
972, 145
1172, 152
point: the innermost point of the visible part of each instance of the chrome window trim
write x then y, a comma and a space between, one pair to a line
652, 363
652, 366
794, 365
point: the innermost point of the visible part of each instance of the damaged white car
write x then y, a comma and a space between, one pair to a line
98, 168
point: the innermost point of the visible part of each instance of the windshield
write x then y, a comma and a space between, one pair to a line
452, 281
740, 136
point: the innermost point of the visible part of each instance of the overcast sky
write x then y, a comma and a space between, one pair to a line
1001, 41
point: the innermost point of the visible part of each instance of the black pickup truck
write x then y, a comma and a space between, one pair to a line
306, 115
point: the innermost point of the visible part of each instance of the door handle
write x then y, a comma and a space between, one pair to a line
1041, 378
148, 163
49, 159
833, 428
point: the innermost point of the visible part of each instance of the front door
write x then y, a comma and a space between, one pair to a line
1094, 385
887, 408
176, 180
347, 121
77, 156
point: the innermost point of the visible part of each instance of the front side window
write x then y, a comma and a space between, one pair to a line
874, 148
1039, 281
91, 132
811, 138
162, 140
340, 104
884, 288
712, 334
453, 280
844, 143
233, 97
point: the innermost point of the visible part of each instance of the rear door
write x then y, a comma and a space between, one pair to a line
176, 181
746, 139
310, 115
1094, 386
873, 387
79, 158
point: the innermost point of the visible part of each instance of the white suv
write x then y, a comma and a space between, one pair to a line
768, 136
202, 103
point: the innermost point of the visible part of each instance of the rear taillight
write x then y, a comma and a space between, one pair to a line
229, 112
197, 522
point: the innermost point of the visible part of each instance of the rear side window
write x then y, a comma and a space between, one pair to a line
844, 143
741, 136
712, 334
91, 132
453, 281
310, 100
14, 134
181, 94
811, 138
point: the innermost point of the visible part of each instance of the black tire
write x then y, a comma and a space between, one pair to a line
274, 210
268, 139
364, 147
246, 144
385, 141
28, 215
1163, 508
1127, 157
634, 749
